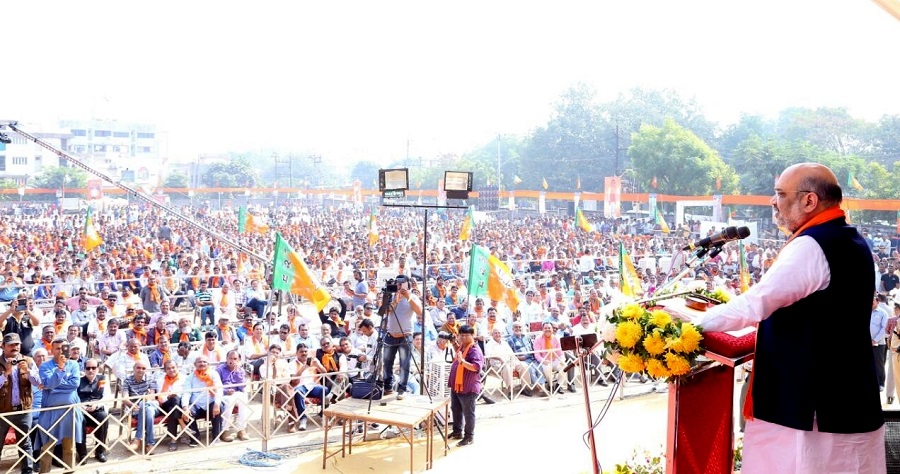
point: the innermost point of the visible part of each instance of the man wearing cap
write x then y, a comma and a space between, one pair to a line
465, 385
18, 375
20, 320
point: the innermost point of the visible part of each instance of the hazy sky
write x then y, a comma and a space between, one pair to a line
356, 80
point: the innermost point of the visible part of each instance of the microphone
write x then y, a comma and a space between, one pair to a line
727, 235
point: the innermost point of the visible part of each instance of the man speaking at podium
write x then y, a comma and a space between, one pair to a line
813, 403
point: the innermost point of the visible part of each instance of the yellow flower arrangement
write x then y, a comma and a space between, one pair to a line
655, 344
657, 369
677, 364
631, 363
628, 333
632, 311
650, 341
660, 318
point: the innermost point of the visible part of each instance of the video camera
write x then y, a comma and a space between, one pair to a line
391, 287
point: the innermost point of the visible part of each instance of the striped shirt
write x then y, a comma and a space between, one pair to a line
133, 388
203, 296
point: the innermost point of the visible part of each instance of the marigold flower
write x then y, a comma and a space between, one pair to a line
675, 344
655, 344
657, 369
632, 311
721, 295
631, 363
628, 333
690, 338
609, 334
660, 318
677, 365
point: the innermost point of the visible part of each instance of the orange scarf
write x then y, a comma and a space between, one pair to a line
101, 325
157, 334
458, 382
195, 283
154, 293
207, 379
329, 362
165, 357
185, 337
59, 327
223, 303
294, 329
256, 345
225, 329
167, 384
140, 335
215, 353
134, 357
829, 214
215, 282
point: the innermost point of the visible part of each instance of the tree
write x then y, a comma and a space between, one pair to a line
59, 177
829, 128
236, 173
682, 163
176, 180
578, 136
367, 173
886, 149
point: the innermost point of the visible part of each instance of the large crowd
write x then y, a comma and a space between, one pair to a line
183, 323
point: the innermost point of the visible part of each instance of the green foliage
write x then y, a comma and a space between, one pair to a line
643, 463
236, 173
58, 176
682, 163
367, 173
176, 180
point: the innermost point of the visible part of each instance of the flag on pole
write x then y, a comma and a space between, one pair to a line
544, 183
91, 239
248, 223
628, 277
744, 271
488, 276
373, 228
581, 222
465, 232
290, 274
517, 179
654, 183
578, 183
853, 183
663, 225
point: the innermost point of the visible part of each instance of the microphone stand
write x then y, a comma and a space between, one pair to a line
699, 258
582, 353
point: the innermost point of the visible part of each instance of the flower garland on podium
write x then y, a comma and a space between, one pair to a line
643, 338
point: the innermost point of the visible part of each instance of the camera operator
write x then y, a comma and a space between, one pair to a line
14, 321
400, 318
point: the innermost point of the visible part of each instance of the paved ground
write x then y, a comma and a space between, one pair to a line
526, 435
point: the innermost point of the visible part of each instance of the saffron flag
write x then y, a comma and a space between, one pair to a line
581, 222
488, 276
248, 223
517, 179
290, 273
465, 232
544, 183
630, 282
91, 239
744, 271
853, 183
373, 228
663, 225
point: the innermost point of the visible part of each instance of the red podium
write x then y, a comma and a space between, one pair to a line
700, 436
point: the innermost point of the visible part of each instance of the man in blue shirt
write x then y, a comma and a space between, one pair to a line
877, 327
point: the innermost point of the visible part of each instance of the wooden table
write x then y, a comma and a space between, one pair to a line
407, 413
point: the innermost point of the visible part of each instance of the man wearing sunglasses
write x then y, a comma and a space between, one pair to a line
93, 391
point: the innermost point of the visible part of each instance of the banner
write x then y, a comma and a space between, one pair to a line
651, 204
94, 189
442, 195
717, 208
512, 201
542, 202
577, 199
612, 196
357, 191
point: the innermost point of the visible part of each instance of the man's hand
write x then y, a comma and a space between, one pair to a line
23, 366
216, 409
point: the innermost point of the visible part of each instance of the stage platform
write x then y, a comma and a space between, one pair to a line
406, 414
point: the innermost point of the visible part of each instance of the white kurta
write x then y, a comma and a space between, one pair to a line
800, 270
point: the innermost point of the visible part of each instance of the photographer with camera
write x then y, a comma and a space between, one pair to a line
400, 315
18, 375
20, 320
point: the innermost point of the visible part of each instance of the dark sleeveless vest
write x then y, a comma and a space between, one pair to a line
814, 358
